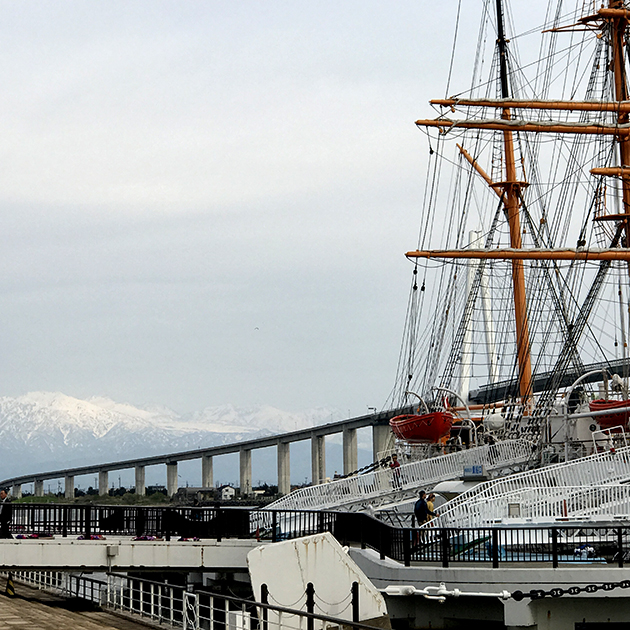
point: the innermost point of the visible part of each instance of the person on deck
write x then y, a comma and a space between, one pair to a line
394, 466
430, 504
421, 509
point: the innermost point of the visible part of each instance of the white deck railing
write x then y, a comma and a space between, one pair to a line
409, 477
489, 501
536, 505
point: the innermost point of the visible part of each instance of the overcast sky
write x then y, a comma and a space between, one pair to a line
208, 202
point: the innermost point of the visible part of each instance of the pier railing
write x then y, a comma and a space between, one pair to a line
558, 542
41, 520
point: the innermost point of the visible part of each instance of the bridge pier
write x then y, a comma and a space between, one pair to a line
69, 487
140, 481
284, 468
103, 483
318, 459
171, 478
380, 439
350, 451
207, 471
245, 466
16, 491
38, 487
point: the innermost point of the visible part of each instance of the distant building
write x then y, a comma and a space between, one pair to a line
227, 493
190, 494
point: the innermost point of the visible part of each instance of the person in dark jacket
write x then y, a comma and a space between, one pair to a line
6, 514
421, 509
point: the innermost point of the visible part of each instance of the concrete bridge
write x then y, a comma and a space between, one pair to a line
379, 422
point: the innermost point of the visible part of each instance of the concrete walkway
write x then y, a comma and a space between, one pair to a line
37, 610
124, 554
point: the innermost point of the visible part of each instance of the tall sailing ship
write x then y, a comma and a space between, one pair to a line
518, 317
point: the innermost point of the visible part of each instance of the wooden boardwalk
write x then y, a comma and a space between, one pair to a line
37, 610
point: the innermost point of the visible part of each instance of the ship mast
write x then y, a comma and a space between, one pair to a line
511, 195
618, 26
615, 18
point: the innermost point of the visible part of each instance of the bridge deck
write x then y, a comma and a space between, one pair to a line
32, 608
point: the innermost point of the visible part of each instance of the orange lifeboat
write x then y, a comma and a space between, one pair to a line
428, 427
613, 419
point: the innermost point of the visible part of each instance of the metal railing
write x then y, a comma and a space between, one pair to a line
381, 484
446, 545
67, 584
178, 606
599, 469
93, 520
565, 503
573, 545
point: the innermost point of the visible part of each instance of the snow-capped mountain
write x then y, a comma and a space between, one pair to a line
42, 430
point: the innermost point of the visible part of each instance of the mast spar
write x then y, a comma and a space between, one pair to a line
619, 24
511, 194
613, 18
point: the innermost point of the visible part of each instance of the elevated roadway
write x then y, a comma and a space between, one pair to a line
379, 423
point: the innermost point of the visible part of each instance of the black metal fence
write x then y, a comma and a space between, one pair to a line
578, 545
41, 520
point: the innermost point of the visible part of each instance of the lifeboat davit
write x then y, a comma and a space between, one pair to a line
428, 427
613, 419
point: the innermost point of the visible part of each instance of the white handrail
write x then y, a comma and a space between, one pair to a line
547, 504
599, 469
386, 483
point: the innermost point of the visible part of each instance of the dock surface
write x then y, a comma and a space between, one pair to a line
39, 610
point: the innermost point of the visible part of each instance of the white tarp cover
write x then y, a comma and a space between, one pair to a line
287, 567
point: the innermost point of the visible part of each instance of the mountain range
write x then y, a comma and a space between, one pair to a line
44, 431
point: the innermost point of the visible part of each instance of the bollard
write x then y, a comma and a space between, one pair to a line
10, 589
310, 605
264, 599
355, 601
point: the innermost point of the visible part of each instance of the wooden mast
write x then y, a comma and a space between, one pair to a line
511, 194
618, 18
618, 25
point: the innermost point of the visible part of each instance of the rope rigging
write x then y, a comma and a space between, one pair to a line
558, 203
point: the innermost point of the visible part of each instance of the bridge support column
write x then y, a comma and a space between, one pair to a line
171, 478
207, 471
350, 453
16, 491
318, 459
39, 488
140, 480
245, 466
284, 468
380, 439
103, 483
69, 487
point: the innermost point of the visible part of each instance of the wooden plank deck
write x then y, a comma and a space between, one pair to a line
38, 610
